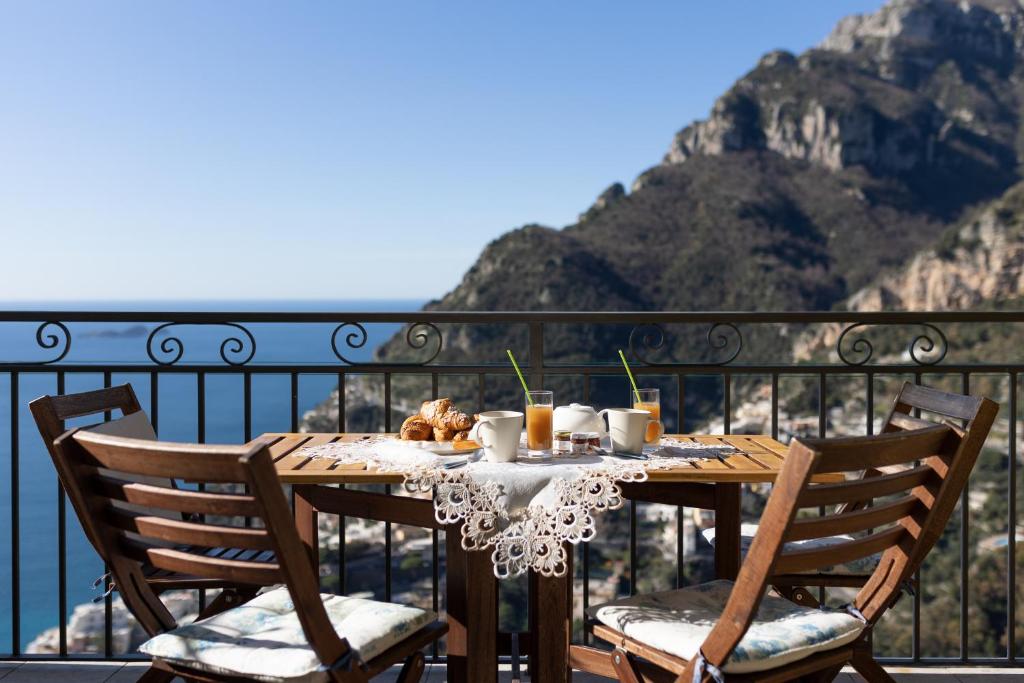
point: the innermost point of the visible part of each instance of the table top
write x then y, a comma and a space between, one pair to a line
759, 460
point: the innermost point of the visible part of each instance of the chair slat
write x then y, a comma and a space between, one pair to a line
238, 571
153, 459
793, 561
853, 522
904, 422
178, 500
189, 533
69, 406
957, 406
854, 454
864, 489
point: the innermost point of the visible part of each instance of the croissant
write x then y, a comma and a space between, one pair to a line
415, 428
442, 434
442, 414
456, 420
432, 410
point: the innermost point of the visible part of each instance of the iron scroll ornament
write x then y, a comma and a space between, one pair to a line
922, 343
175, 348
50, 339
417, 336
651, 337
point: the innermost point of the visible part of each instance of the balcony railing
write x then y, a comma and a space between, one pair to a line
230, 376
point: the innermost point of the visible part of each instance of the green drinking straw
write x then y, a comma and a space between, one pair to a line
519, 372
630, 373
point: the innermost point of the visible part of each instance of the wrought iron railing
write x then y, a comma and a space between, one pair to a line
846, 362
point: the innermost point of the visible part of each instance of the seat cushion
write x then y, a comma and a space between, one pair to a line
263, 639
864, 565
133, 426
678, 622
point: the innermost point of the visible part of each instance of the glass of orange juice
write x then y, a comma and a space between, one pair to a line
649, 400
540, 406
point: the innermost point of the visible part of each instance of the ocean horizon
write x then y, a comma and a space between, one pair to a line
178, 415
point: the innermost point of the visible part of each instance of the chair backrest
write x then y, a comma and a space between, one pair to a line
959, 411
923, 472
100, 474
956, 410
51, 412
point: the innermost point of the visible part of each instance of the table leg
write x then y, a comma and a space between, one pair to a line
727, 530
472, 606
551, 625
306, 523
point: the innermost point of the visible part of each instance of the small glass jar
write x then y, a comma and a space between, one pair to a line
563, 441
593, 439
580, 443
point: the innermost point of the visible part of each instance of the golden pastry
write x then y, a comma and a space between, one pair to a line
415, 428
442, 434
433, 410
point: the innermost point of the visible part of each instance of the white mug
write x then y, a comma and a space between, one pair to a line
498, 431
627, 427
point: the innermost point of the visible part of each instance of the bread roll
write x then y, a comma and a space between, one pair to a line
415, 428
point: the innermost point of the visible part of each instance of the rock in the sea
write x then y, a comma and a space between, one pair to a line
86, 625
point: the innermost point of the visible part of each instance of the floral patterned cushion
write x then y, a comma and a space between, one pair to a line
263, 639
678, 622
864, 565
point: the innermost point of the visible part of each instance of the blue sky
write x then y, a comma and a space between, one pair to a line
197, 150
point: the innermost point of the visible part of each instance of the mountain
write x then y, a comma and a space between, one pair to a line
811, 175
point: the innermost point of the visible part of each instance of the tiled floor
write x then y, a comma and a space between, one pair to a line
103, 672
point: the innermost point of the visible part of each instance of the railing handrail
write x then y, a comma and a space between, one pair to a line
516, 316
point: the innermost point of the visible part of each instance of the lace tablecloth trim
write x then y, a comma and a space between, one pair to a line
532, 536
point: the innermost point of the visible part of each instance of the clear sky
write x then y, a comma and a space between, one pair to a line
242, 149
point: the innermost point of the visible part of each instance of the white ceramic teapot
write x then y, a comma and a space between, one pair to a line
577, 418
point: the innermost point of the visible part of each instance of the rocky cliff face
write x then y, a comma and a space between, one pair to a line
928, 90
978, 262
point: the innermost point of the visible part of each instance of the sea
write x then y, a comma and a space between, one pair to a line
178, 416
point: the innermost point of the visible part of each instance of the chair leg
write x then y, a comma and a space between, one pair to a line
624, 668
412, 670
867, 667
154, 675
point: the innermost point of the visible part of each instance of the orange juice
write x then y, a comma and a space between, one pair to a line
539, 427
655, 410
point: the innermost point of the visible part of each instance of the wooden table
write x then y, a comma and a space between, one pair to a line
473, 642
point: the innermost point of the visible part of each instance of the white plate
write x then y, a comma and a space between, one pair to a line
441, 447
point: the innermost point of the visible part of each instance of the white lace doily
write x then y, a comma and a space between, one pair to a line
525, 511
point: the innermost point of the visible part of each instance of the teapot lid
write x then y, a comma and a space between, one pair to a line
577, 406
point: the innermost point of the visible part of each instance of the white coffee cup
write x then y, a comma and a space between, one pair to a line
627, 428
498, 431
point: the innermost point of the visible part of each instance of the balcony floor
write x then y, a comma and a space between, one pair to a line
117, 672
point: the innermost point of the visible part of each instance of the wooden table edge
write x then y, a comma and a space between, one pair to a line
354, 475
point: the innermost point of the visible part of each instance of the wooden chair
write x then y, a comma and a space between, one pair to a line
51, 413
285, 633
733, 631
958, 410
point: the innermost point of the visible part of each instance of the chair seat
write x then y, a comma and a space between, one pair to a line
263, 639
864, 565
678, 622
